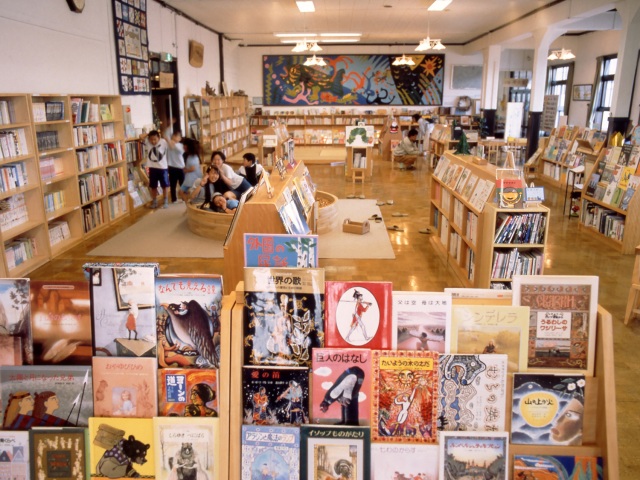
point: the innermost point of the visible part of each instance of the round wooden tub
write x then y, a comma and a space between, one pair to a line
208, 224
327, 212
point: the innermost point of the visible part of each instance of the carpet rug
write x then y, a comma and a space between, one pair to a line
164, 233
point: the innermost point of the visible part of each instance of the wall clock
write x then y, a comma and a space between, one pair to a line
76, 5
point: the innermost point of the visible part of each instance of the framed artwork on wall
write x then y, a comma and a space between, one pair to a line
581, 93
466, 77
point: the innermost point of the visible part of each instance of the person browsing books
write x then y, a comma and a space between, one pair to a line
156, 159
236, 183
250, 169
175, 161
406, 153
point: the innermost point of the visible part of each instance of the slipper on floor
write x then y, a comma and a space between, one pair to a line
395, 228
396, 214
351, 196
375, 216
389, 202
379, 204
379, 220
361, 197
426, 231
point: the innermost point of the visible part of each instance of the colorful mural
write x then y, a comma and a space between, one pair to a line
352, 80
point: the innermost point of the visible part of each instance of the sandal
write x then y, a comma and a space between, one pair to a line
379, 204
426, 231
396, 214
361, 197
374, 217
395, 228
351, 196
389, 202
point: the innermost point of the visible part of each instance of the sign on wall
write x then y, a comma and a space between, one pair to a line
352, 80
132, 46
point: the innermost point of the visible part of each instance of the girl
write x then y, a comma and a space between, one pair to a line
236, 183
209, 185
192, 170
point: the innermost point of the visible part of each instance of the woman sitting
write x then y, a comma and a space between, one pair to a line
236, 183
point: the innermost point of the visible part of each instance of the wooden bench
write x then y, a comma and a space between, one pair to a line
208, 224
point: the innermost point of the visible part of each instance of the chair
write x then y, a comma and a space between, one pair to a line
574, 175
634, 291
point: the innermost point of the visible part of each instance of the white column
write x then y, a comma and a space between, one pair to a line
542, 41
490, 76
627, 58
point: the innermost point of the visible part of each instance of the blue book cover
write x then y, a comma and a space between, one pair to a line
556, 466
270, 452
277, 250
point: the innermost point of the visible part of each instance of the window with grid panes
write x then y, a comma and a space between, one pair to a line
604, 95
559, 83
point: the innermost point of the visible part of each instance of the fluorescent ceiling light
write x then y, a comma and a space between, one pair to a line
306, 6
439, 5
340, 40
299, 41
340, 34
304, 34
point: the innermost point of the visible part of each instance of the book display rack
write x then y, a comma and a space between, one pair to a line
274, 143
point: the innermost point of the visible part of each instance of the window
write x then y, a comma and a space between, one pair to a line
604, 92
559, 80
520, 91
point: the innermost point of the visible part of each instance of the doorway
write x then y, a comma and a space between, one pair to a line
165, 98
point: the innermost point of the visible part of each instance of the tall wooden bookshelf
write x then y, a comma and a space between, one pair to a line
139, 194
229, 124
193, 117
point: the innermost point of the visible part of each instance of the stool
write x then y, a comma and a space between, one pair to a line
634, 291
358, 174
573, 175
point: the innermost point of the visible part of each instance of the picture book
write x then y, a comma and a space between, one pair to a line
469, 186
275, 395
341, 386
276, 250
421, 321
358, 314
15, 314
188, 320
49, 396
187, 392
121, 448
283, 316
123, 309
333, 452
61, 322
125, 387
270, 452
14, 455
557, 466
404, 462
510, 191
562, 320
547, 408
485, 454
10, 350
58, 453
473, 392
478, 329
186, 448
405, 396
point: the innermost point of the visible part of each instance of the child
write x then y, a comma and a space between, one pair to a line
175, 160
236, 183
156, 149
250, 169
192, 170
223, 205
210, 185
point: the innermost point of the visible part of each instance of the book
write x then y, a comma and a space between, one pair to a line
105, 112
405, 396
270, 452
14, 453
50, 396
121, 448
186, 448
558, 466
58, 453
10, 350
275, 395
547, 409
61, 322
335, 452
188, 309
341, 386
483, 329
187, 392
421, 321
469, 186
562, 326
358, 314
485, 453
125, 387
123, 309
473, 392
283, 316
510, 192
276, 250
404, 462
15, 314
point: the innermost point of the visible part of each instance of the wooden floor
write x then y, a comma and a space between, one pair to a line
417, 267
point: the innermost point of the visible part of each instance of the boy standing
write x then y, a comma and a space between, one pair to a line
175, 161
156, 149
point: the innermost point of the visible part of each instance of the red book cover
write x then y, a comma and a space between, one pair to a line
358, 314
187, 392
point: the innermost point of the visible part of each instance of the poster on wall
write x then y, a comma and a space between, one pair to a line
352, 80
132, 46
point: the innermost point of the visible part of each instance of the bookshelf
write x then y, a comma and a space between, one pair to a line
359, 160
228, 123
139, 194
205, 127
193, 116
274, 143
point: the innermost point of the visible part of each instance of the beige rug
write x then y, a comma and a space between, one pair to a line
164, 233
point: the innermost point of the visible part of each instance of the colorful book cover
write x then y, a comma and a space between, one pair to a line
473, 392
547, 409
125, 387
510, 192
485, 454
562, 328
275, 396
469, 186
186, 448
14, 455
61, 322
187, 392
405, 396
276, 250
421, 321
404, 462
557, 466
335, 452
58, 453
121, 448
478, 329
270, 453
283, 316
341, 386
45, 396
123, 309
10, 350
358, 314
188, 320
15, 314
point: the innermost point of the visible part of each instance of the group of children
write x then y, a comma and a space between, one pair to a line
174, 161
